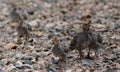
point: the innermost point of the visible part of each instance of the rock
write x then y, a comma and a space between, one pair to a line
35, 66
107, 58
1, 6
116, 50
1, 50
2, 26
33, 56
1, 70
1, 57
47, 5
29, 70
38, 49
118, 30
79, 70
42, 70
27, 58
13, 25
19, 55
34, 23
10, 68
68, 70
58, 71
27, 62
87, 62
109, 69
99, 64
1, 64
5, 11
116, 37
99, 26
10, 46
113, 46
117, 25
11, 61
118, 55
114, 58
97, 21
31, 40
50, 69
46, 49
18, 64
27, 66
69, 57
30, 11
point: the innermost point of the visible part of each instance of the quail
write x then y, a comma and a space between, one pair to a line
87, 38
57, 51
23, 29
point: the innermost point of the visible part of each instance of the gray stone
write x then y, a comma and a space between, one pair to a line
1, 70
27, 62
19, 55
34, 23
2, 25
87, 62
38, 49
27, 58
1, 64
1, 50
1, 57
30, 11
114, 58
18, 64
117, 25
35, 66
115, 50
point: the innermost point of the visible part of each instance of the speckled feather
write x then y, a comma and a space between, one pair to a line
57, 51
86, 39
23, 29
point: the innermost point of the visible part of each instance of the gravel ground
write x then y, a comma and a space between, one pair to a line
61, 18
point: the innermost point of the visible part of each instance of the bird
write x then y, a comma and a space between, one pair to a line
57, 51
87, 38
23, 29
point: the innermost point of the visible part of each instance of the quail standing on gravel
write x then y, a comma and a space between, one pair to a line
23, 29
57, 51
86, 39
16, 12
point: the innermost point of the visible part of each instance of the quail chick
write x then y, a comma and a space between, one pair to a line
57, 51
83, 39
83, 35
86, 39
23, 29
16, 12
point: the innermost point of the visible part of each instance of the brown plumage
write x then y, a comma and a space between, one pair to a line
57, 51
23, 29
86, 39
